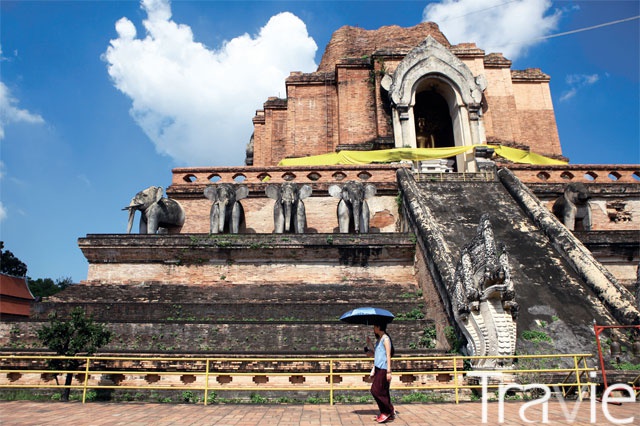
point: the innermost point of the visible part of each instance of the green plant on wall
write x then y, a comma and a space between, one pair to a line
399, 201
428, 339
452, 337
414, 314
536, 336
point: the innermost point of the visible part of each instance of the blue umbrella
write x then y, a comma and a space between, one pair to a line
368, 316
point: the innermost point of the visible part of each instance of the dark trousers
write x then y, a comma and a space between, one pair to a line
380, 391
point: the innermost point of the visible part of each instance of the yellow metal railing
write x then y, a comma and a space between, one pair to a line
326, 375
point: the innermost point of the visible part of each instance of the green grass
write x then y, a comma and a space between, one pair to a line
536, 336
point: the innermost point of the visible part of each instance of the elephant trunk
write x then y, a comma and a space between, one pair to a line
222, 215
356, 208
287, 215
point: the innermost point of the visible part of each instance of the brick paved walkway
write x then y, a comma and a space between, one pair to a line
23, 413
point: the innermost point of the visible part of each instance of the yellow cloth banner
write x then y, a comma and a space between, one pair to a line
414, 154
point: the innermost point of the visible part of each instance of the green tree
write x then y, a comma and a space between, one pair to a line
45, 287
79, 335
11, 265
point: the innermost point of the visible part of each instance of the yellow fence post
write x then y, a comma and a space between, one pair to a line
576, 365
206, 382
331, 381
86, 380
455, 377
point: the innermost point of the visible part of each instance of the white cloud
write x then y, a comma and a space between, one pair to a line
10, 113
196, 103
577, 82
508, 27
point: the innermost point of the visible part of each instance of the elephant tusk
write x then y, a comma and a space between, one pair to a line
135, 206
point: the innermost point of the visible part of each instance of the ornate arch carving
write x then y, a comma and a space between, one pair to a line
430, 58
428, 62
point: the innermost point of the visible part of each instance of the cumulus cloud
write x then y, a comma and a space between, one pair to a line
577, 82
508, 27
10, 113
194, 102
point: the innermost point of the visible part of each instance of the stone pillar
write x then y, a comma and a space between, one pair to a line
405, 128
476, 132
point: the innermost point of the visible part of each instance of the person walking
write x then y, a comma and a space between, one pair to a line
382, 352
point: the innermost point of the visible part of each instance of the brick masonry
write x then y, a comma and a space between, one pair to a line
341, 105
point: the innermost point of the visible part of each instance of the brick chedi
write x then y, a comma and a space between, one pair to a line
372, 87
481, 252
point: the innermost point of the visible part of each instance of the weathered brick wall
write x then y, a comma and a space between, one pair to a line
341, 104
257, 337
244, 259
356, 105
433, 301
277, 302
133, 273
499, 118
259, 138
321, 209
321, 215
311, 118
356, 42
276, 134
612, 175
537, 119
383, 116
603, 215
537, 123
475, 63
614, 190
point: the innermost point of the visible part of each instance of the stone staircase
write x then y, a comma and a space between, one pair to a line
268, 318
237, 302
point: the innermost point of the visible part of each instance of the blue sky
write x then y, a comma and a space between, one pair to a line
100, 99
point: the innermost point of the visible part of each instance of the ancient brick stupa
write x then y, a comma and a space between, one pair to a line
405, 172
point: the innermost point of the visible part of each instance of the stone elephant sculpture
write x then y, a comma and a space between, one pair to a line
289, 214
353, 210
227, 214
573, 206
156, 212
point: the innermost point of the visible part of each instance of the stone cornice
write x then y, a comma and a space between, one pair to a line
308, 78
496, 60
182, 249
275, 103
529, 74
467, 50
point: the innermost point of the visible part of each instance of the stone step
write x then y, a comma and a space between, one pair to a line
159, 292
292, 311
234, 338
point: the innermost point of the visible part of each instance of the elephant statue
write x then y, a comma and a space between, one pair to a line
573, 206
353, 210
288, 211
227, 214
157, 212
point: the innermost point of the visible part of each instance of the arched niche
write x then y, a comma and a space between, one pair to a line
431, 71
